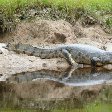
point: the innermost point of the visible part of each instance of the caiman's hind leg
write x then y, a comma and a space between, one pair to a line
96, 62
69, 58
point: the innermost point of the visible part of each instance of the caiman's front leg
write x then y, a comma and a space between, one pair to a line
69, 58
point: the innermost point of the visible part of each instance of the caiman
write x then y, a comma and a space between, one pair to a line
73, 53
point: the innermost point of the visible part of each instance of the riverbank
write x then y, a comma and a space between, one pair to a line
49, 33
28, 83
88, 11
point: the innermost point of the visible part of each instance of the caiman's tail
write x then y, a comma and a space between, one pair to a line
36, 51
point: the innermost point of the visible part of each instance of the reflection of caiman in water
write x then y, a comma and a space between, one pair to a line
54, 89
71, 77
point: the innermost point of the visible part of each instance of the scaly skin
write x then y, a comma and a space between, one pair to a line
73, 53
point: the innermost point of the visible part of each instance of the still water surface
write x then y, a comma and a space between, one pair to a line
81, 90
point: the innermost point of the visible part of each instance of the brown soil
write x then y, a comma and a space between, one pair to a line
49, 32
58, 32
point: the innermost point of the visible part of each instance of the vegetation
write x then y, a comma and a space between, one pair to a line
92, 107
103, 103
99, 9
10, 6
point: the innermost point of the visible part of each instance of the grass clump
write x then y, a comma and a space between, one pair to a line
10, 6
70, 9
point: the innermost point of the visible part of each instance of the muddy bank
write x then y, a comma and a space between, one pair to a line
12, 63
48, 32
58, 32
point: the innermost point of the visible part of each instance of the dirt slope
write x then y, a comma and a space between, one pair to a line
48, 32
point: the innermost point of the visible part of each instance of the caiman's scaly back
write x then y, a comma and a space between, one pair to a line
73, 53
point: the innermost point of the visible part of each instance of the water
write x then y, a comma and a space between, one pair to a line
78, 77
81, 90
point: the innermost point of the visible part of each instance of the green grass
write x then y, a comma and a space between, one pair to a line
92, 107
17, 110
10, 6
70, 9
